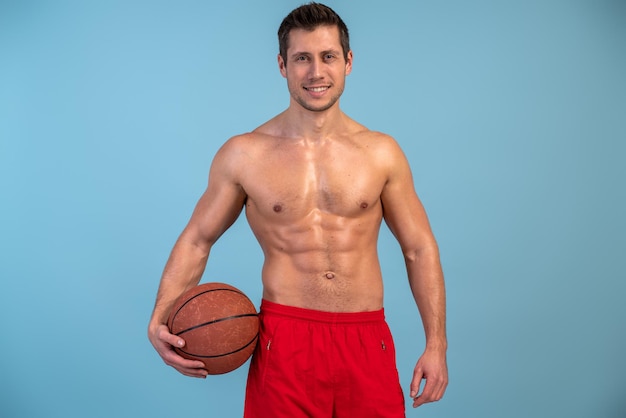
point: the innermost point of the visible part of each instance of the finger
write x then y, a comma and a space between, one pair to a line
193, 368
194, 372
423, 397
173, 340
174, 359
416, 383
433, 391
167, 342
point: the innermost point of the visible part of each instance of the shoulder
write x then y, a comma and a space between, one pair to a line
381, 139
238, 143
231, 156
384, 147
371, 137
241, 151
240, 146
385, 154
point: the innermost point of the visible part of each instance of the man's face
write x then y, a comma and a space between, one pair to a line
315, 69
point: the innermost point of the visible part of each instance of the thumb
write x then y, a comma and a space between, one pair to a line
416, 383
169, 338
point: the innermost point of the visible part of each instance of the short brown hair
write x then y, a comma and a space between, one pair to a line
309, 17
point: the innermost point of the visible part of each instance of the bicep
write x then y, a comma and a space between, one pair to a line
214, 213
219, 206
403, 211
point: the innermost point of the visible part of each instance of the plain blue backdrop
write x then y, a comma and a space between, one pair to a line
513, 117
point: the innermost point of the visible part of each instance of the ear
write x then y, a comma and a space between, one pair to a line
282, 66
349, 63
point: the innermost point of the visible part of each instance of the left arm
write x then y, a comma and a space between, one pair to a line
407, 220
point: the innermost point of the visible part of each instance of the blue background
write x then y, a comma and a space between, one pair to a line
513, 117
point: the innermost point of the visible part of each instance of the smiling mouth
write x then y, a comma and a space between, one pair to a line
317, 89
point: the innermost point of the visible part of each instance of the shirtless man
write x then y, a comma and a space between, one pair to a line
316, 186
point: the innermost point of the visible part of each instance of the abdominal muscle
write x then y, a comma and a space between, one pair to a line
328, 263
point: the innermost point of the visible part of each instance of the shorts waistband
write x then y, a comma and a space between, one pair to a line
295, 312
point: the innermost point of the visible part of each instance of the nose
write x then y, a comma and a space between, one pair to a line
315, 70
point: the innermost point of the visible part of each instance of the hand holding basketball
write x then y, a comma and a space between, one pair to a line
219, 324
212, 329
164, 343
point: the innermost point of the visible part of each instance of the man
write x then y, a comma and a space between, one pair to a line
315, 186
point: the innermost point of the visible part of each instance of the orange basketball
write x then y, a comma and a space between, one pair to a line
219, 324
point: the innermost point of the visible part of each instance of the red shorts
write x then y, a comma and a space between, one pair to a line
323, 365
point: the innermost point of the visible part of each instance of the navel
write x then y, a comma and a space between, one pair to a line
330, 275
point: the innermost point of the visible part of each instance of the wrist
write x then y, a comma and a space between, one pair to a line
437, 345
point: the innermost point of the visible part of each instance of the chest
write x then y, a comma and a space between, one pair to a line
296, 180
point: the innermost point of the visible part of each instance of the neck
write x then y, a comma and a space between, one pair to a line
299, 122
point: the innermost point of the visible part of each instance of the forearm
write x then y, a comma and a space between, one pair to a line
183, 270
428, 288
427, 284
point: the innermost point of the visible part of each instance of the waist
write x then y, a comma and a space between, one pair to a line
295, 312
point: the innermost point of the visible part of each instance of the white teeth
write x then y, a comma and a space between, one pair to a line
317, 89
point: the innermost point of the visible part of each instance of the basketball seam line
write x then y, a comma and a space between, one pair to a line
221, 355
202, 293
214, 321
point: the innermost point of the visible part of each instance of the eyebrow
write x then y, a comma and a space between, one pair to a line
328, 51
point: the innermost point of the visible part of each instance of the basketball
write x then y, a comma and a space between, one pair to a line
219, 324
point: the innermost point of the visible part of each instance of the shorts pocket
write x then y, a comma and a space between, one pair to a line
388, 373
262, 356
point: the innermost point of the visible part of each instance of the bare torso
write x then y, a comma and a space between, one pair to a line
315, 208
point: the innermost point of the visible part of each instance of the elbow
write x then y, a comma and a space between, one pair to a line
411, 256
419, 253
200, 243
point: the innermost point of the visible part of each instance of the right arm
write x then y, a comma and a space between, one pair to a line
217, 209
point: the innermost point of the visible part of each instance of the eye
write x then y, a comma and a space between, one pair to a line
329, 57
301, 58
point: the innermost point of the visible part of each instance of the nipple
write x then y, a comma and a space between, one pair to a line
277, 208
330, 275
